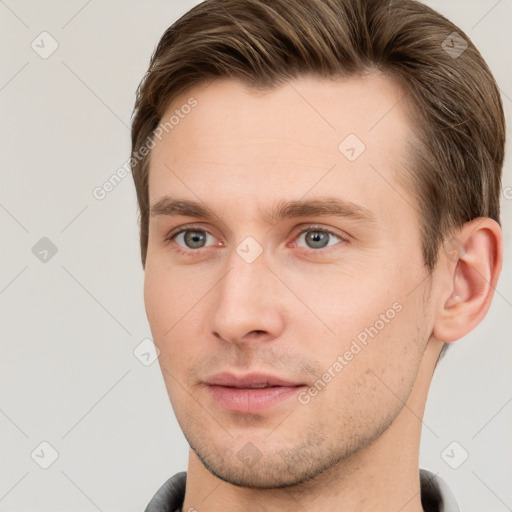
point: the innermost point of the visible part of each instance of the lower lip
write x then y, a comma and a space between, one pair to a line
251, 401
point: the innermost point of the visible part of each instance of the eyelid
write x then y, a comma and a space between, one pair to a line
192, 227
321, 228
177, 231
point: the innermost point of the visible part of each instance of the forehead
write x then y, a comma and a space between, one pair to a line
347, 136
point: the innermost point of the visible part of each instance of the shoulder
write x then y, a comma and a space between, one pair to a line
169, 497
436, 495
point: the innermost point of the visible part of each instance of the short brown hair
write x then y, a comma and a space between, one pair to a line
455, 169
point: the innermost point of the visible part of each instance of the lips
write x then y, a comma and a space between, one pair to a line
251, 393
252, 380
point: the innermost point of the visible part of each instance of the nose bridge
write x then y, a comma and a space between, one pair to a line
243, 285
244, 301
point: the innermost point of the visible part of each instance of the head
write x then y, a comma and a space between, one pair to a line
350, 116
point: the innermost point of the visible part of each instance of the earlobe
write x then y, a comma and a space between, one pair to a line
471, 264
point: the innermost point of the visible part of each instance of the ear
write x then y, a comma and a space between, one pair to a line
469, 268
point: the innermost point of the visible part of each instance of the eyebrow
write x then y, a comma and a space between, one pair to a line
328, 206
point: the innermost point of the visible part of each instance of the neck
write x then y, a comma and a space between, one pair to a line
382, 476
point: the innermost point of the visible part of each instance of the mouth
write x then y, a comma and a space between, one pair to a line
251, 393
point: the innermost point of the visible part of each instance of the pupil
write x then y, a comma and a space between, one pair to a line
195, 239
317, 239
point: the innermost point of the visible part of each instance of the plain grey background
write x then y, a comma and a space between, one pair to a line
73, 320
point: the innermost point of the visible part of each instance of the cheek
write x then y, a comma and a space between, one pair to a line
174, 314
155, 301
374, 377
167, 297
393, 349
377, 320
163, 312
347, 301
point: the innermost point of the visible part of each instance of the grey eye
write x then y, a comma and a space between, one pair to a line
193, 239
317, 238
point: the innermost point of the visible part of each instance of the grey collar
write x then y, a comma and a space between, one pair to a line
436, 496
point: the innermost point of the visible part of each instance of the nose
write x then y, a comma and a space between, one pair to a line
247, 303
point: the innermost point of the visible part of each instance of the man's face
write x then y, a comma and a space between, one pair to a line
245, 293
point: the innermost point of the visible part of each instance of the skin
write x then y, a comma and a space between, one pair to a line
296, 308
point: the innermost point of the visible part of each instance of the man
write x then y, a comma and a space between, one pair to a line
318, 184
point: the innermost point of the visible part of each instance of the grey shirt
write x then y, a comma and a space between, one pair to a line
435, 494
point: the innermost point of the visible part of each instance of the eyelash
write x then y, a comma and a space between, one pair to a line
174, 234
